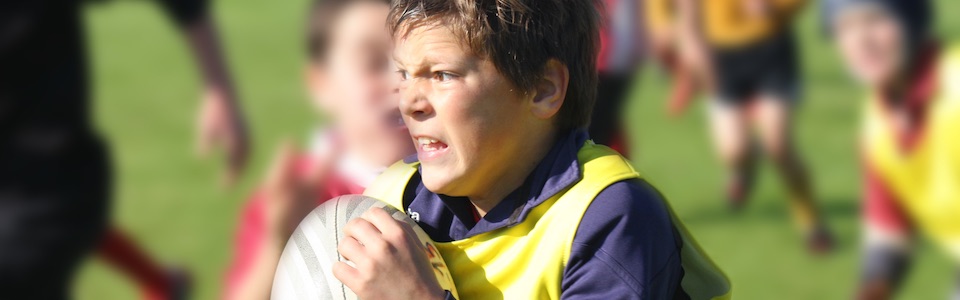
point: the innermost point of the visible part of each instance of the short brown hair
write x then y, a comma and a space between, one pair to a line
520, 36
323, 14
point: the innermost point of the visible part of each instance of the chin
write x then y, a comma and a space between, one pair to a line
870, 78
876, 81
435, 182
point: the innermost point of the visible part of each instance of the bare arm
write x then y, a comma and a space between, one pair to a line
258, 282
220, 121
289, 195
692, 42
221, 125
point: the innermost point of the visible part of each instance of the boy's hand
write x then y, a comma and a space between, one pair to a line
390, 262
290, 194
221, 125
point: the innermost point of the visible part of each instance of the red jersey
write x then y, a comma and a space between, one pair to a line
349, 178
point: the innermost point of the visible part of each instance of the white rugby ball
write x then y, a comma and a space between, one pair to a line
306, 264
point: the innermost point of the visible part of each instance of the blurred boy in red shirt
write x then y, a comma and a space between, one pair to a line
351, 80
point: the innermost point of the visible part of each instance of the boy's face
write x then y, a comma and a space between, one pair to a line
355, 85
466, 118
872, 43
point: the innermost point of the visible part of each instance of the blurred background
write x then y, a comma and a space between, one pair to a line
145, 89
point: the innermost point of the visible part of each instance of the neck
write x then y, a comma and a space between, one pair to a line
511, 178
895, 93
362, 151
919, 62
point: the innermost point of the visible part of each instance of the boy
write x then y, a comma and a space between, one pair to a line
749, 62
522, 205
350, 78
909, 139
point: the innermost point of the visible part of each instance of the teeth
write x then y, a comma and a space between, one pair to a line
426, 141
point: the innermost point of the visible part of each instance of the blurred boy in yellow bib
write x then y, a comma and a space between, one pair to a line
910, 136
744, 55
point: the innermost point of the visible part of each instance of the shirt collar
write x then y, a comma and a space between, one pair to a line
921, 89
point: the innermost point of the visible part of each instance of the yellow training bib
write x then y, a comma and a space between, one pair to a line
485, 266
926, 180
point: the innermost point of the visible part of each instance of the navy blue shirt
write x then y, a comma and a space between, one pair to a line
625, 247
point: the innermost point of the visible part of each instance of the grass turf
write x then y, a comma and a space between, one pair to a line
147, 92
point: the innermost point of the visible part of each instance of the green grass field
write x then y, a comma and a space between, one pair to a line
147, 92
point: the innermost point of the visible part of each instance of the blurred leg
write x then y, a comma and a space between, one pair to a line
956, 289
121, 252
728, 124
772, 118
886, 259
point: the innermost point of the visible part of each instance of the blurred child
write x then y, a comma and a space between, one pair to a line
620, 58
909, 139
55, 169
350, 79
521, 204
749, 59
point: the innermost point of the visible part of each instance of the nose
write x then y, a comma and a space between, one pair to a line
413, 100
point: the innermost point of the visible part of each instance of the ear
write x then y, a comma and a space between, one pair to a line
551, 90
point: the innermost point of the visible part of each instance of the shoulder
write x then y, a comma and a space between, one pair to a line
625, 242
627, 218
630, 207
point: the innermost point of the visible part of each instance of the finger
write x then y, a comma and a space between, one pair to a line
365, 233
211, 123
412, 237
351, 250
388, 226
203, 130
348, 275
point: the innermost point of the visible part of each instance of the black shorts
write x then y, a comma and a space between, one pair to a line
612, 93
53, 210
768, 67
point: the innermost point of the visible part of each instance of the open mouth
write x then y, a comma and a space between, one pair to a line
430, 148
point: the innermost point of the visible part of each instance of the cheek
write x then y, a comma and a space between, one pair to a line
889, 38
865, 55
459, 114
485, 126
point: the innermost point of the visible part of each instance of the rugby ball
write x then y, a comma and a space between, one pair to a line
305, 270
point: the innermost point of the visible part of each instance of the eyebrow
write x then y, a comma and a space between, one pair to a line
426, 60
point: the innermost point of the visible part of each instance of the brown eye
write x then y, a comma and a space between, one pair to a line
443, 76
